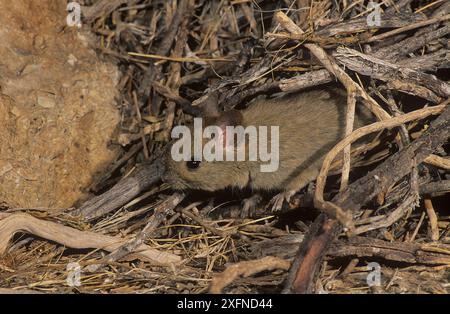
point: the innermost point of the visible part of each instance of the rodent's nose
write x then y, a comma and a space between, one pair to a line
165, 177
161, 169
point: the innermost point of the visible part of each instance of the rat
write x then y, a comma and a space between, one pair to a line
310, 124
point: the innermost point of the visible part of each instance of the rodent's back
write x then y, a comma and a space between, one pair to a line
310, 124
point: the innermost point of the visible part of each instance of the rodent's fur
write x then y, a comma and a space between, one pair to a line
310, 124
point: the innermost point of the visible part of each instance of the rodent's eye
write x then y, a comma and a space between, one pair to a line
193, 164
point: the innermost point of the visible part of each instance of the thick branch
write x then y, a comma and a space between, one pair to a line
73, 238
123, 192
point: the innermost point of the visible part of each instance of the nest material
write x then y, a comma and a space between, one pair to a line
173, 54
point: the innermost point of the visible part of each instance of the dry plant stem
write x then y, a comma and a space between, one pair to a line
438, 161
302, 13
427, 254
426, 188
160, 213
123, 192
103, 8
416, 230
295, 84
308, 258
350, 119
333, 68
350, 267
170, 94
357, 134
429, 62
139, 116
411, 44
305, 80
359, 24
432, 217
360, 247
119, 163
313, 38
246, 269
174, 80
386, 71
207, 225
170, 117
410, 200
409, 27
10, 224
21, 291
313, 78
228, 97
435, 187
164, 48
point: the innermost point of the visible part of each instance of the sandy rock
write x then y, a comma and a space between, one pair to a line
57, 106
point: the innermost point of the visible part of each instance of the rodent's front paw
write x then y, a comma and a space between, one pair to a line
277, 202
249, 206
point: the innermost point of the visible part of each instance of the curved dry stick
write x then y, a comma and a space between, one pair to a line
246, 269
333, 209
10, 224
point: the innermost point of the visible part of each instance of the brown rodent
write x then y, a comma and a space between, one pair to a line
310, 124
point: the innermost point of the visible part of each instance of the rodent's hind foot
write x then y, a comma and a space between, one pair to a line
277, 202
249, 205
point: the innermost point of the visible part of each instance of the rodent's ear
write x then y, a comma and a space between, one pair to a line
210, 107
229, 118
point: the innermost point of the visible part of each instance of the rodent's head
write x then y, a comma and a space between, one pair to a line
205, 175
